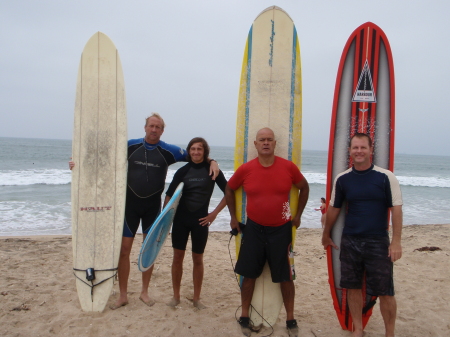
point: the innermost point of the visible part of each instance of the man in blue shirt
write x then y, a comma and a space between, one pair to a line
370, 192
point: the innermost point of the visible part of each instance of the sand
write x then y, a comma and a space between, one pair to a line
38, 295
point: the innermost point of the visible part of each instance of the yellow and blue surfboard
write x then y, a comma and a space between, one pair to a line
270, 95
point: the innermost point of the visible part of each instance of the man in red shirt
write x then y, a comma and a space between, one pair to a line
267, 181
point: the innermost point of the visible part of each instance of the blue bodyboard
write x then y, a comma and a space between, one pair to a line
158, 233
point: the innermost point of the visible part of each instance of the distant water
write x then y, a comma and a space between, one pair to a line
35, 186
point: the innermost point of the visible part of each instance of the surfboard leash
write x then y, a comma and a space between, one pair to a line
252, 328
90, 276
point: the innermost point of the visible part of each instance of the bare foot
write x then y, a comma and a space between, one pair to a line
149, 302
173, 303
357, 333
199, 305
118, 304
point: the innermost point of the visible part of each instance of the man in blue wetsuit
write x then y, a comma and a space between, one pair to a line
148, 162
371, 192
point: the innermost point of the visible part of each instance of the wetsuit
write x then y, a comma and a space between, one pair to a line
147, 170
197, 190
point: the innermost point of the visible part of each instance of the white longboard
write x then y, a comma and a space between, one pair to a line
99, 150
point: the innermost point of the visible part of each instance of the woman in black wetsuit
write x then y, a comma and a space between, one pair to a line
192, 215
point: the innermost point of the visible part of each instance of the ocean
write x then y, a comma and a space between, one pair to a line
35, 186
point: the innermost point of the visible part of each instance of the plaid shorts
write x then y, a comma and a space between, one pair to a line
369, 256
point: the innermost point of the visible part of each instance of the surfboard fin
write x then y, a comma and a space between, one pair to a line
369, 304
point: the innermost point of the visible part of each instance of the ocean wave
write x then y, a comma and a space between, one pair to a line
63, 177
424, 181
34, 218
35, 177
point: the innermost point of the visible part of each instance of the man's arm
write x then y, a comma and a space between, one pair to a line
209, 219
213, 168
231, 203
395, 248
331, 217
303, 195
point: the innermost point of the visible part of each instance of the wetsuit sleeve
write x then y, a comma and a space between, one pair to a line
178, 153
177, 179
172, 153
221, 181
181, 156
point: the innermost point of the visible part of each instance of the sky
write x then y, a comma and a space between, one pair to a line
183, 59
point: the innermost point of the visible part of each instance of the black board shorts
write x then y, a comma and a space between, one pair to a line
367, 256
137, 209
264, 243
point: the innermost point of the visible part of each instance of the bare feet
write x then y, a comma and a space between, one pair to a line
173, 303
199, 305
148, 302
357, 333
118, 305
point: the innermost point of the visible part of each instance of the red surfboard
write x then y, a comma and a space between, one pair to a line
364, 101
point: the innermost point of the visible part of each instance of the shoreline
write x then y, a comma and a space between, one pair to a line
32, 236
38, 293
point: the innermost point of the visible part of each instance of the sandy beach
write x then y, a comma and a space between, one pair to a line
38, 294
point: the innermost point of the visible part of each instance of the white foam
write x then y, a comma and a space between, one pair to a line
424, 181
34, 177
31, 218
63, 177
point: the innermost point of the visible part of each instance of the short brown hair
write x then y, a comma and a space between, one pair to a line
360, 135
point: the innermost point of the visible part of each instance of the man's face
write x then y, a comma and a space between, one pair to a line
360, 151
197, 152
153, 130
265, 142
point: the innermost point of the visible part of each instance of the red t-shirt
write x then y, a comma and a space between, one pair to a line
267, 189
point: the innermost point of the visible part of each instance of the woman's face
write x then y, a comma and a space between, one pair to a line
197, 152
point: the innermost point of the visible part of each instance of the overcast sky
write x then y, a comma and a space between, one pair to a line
183, 59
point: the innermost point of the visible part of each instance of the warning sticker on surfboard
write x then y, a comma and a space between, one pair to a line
364, 90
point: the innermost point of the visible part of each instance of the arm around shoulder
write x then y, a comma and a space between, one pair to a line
213, 168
